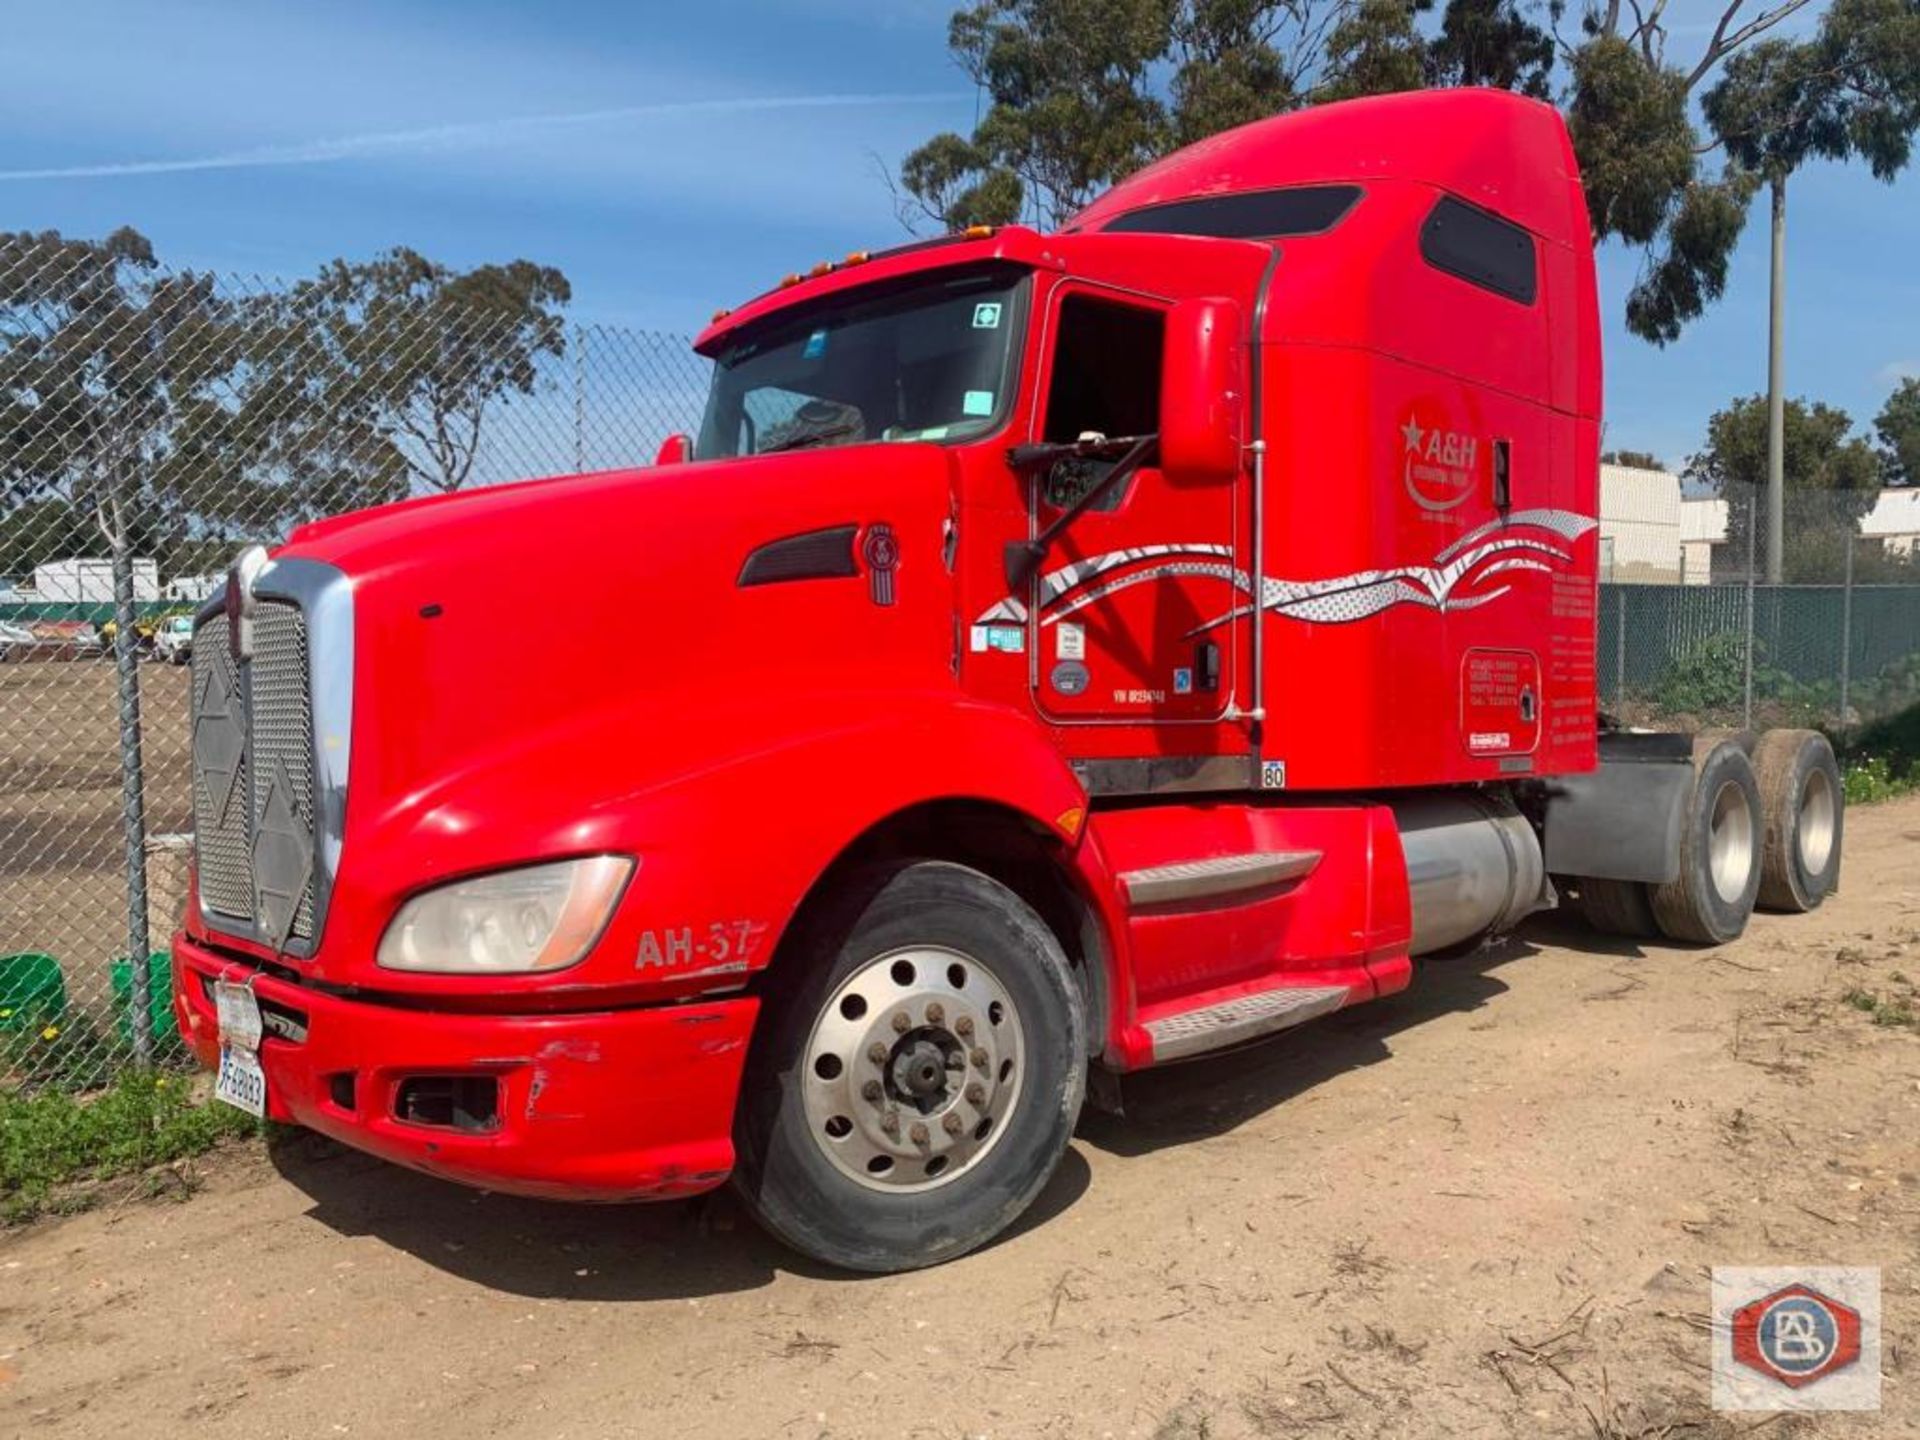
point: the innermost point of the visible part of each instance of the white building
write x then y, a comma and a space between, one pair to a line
193, 588
1894, 521
1640, 527
90, 582
1703, 525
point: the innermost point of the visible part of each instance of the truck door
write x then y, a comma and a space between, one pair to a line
1132, 616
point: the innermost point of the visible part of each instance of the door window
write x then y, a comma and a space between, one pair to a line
1106, 379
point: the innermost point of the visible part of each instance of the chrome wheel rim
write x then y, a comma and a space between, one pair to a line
1817, 821
912, 1068
1730, 842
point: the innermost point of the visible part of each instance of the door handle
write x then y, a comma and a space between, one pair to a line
1206, 667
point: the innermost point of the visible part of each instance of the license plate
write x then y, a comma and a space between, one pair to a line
240, 1081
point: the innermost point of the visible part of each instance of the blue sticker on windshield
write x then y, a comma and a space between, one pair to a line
986, 315
977, 402
816, 346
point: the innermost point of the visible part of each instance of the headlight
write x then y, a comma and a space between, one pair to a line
542, 917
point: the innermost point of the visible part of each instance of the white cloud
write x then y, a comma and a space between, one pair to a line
465, 135
1894, 371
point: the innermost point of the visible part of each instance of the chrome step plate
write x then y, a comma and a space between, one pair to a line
1245, 1017
1224, 875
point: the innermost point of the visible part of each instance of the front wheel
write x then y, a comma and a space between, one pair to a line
916, 1085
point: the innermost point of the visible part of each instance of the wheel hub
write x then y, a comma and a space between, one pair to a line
912, 1068
1730, 842
1818, 822
924, 1067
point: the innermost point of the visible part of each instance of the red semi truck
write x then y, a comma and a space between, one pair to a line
1056, 655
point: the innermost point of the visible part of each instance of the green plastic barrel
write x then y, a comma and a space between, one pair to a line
33, 992
159, 999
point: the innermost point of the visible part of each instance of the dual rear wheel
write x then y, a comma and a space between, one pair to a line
1762, 831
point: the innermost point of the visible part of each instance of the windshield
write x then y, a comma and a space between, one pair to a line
932, 359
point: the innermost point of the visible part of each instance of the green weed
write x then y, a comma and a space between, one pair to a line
51, 1140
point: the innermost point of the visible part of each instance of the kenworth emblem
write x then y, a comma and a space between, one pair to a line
882, 554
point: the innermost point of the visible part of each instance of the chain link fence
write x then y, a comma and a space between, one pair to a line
151, 423
1834, 641
154, 421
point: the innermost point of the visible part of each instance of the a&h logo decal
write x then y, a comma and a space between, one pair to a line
1439, 464
1796, 1339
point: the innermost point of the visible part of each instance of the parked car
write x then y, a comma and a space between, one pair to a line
14, 639
173, 640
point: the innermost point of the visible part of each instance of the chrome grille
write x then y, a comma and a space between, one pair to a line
283, 753
254, 818
220, 789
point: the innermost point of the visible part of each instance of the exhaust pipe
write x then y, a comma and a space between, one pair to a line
1474, 867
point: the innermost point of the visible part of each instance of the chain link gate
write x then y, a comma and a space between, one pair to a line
154, 422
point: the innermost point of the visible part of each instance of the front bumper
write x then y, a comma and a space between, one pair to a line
610, 1105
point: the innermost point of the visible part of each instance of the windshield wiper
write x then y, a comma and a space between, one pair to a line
808, 438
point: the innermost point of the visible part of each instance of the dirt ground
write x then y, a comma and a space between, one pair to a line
1484, 1208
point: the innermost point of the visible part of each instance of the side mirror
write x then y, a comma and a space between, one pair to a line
1203, 392
674, 450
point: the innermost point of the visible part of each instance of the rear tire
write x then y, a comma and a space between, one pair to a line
1618, 907
918, 1075
1719, 880
1803, 802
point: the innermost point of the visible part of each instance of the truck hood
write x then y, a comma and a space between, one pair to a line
575, 611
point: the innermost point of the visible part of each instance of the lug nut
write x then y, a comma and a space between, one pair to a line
901, 1023
918, 1134
976, 1095
951, 1124
963, 1027
871, 1090
890, 1122
936, 1012
877, 1053
979, 1056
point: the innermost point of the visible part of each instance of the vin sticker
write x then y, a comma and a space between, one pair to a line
1070, 641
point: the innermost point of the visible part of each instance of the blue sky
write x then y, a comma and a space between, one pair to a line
672, 158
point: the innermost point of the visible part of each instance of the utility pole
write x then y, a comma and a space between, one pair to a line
1776, 380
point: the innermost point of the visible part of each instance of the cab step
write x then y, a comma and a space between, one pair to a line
1186, 881
1242, 1018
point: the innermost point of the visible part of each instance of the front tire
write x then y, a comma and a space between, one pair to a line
919, 1074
